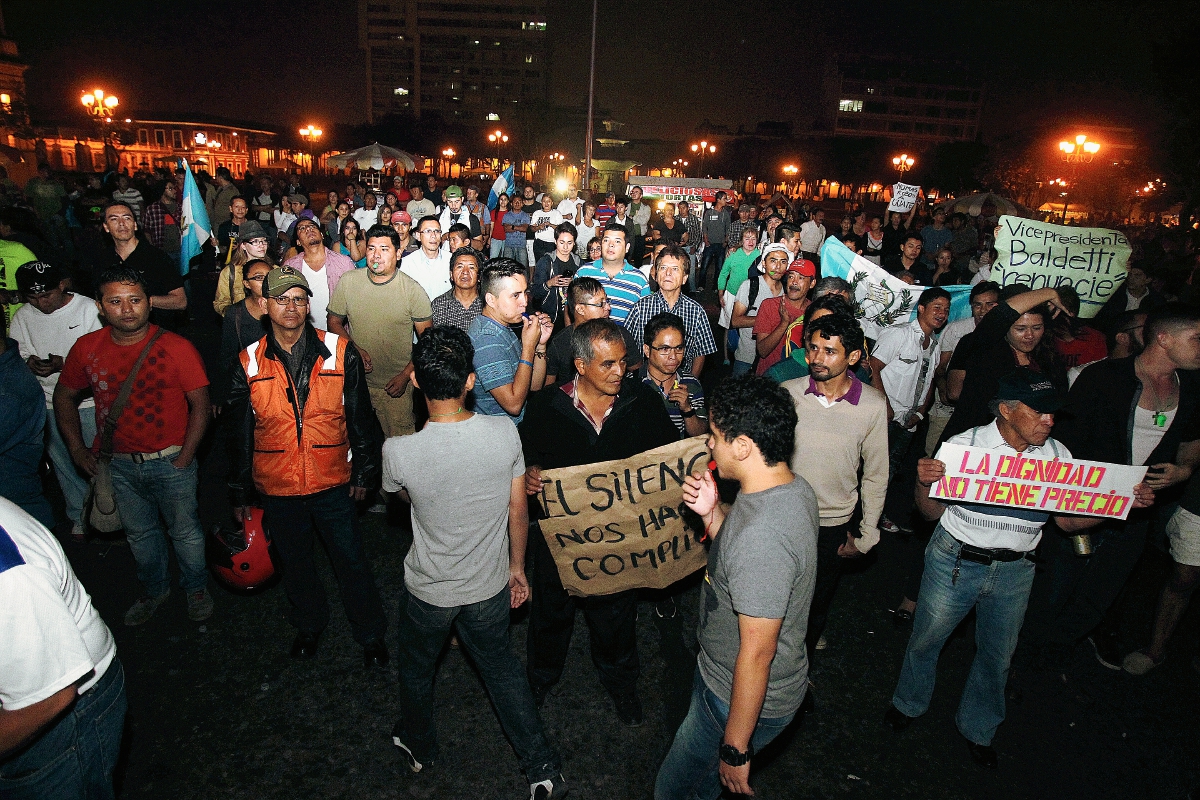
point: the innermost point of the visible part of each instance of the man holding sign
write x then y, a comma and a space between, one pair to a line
597, 416
980, 556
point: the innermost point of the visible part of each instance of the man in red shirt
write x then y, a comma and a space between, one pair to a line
154, 467
776, 315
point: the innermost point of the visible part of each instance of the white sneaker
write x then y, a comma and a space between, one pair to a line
1139, 663
821, 643
378, 508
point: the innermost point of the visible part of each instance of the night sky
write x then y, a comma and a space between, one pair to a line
662, 67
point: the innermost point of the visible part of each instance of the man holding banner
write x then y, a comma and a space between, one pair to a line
597, 416
980, 557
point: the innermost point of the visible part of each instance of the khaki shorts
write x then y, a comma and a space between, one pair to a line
1183, 532
395, 413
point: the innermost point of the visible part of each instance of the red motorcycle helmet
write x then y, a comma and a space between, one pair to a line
242, 559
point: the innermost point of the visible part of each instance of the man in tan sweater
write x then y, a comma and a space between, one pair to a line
841, 423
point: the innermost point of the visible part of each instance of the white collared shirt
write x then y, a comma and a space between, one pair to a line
998, 526
908, 374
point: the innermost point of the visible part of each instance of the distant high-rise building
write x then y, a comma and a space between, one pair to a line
472, 61
898, 98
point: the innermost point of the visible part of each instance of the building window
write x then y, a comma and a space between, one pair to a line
493, 117
533, 26
177, 140
850, 105
400, 90
143, 137
160, 138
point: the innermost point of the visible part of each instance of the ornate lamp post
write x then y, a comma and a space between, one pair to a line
702, 148
903, 162
311, 134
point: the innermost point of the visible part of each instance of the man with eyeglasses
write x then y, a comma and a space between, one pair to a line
430, 264
670, 272
321, 267
308, 442
586, 300
682, 394
380, 308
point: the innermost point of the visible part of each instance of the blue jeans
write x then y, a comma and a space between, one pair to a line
495, 248
999, 593
517, 253
290, 521
74, 759
690, 770
146, 490
74, 486
483, 631
740, 368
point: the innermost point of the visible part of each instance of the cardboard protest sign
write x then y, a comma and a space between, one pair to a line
618, 525
904, 197
1069, 486
1040, 255
881, 298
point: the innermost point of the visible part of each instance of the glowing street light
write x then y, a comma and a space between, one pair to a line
703, 148
1079, 151
903, 162
498, 138
790, 170
99, 105
311, 134
448, 156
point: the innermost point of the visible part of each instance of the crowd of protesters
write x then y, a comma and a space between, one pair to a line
409, 344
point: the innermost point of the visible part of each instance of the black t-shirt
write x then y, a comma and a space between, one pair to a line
160, 272
673, 235
561, 364
895, 266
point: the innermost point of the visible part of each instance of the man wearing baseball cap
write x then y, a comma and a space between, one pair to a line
981, 556
45, 329
455, 213
778, 315
402, 224
749, 299
309, 443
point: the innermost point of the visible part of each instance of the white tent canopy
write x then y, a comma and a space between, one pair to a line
373, 156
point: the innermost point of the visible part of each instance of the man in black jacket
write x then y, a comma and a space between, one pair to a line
1138, 411
598, 416
310, 444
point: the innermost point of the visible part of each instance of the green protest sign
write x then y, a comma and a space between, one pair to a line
1040, 255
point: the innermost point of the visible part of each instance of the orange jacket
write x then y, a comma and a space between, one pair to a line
299, 448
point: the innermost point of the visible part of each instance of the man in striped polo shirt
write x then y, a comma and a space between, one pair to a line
623, 284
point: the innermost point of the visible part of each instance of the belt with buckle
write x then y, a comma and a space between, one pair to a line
986, 555
139, 458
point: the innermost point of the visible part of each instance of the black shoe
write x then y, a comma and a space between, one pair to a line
375, 655
1108, 650
629, 710
895, 719
809, 704
305, 645
549, 789
410, 760
539, 695
984, 755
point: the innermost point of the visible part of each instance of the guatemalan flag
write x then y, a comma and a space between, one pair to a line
194, 227
882, 298
501, 186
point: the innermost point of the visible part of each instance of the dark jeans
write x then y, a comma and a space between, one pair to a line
290, 521
483, 631
905, 448
541, 248
611, 620
711, 263
829, 572
1083, 588
73, 759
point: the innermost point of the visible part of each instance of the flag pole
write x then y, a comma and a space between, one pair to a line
587, 165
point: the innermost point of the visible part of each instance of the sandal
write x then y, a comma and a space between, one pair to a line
901, 616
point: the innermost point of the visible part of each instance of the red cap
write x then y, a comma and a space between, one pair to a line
803, 266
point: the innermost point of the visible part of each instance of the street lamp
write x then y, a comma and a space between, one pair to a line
99, 105
903, 162
448, 154
1079, 151
703, 148
311, 134
498, 138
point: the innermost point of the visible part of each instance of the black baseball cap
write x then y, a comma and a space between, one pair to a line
35, 277
1031, 388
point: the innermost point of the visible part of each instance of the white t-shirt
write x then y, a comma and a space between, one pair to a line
745, 349
365, 218
585, 235
538, 217
568, 207
318, 304
909, 368
1146, 434
951, 335
432, 273
1134, 303
43, 335
283, 221
51, 633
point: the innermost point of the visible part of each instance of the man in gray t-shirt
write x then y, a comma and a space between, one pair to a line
464, 474
752, 672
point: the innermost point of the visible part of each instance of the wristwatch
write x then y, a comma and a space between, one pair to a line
691, 412
734, 757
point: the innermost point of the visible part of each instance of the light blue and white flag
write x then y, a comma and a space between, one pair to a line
194, 227
501, 186
883, 299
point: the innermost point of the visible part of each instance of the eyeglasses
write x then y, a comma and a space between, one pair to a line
602, 304
666, 348
307, 228
283, 301
257, 278
260, 242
